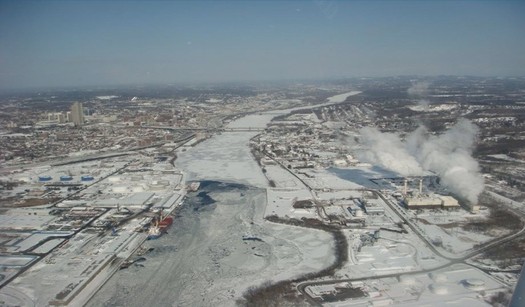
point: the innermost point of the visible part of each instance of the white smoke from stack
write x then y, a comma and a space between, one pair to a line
386, 149
448, 155
418, 89
424, 103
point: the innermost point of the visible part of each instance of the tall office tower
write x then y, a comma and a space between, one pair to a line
77, 114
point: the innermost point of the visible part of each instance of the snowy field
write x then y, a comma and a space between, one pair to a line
392, 253
280, 203
282, 178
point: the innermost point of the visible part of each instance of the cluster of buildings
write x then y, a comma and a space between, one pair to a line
307, 143
38, 128
75, 116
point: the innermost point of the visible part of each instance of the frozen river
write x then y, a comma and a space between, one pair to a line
203, 260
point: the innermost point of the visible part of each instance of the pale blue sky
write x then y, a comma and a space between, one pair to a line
70, 43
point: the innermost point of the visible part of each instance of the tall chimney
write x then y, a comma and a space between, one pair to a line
420, 186
405, 191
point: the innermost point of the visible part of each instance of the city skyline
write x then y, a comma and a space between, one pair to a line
81, 43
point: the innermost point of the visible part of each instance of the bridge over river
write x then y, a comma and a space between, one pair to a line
225, 129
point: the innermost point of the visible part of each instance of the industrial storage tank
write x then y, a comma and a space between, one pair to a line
474, 284
438, 288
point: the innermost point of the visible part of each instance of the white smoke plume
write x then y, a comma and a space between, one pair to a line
418, 89
386, 149
448, 155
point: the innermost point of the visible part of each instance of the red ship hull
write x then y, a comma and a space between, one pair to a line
165, 223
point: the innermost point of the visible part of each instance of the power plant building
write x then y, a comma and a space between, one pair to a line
423, 202
420, 200
449, 202
431, 202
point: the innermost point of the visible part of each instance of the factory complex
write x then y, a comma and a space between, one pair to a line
93, 216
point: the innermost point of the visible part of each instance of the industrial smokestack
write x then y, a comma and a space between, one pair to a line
420, 186
405, 191
448, 155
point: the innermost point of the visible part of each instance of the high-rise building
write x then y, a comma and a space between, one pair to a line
60, 117
77, 114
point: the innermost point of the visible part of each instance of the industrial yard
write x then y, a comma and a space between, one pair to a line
98, 216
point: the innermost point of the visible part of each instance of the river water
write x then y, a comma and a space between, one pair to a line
203, 259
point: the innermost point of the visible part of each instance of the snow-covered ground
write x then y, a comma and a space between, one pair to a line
454, 240
282, 178
280, 203
458, 285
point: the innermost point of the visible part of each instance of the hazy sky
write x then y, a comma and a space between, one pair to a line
64, 43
